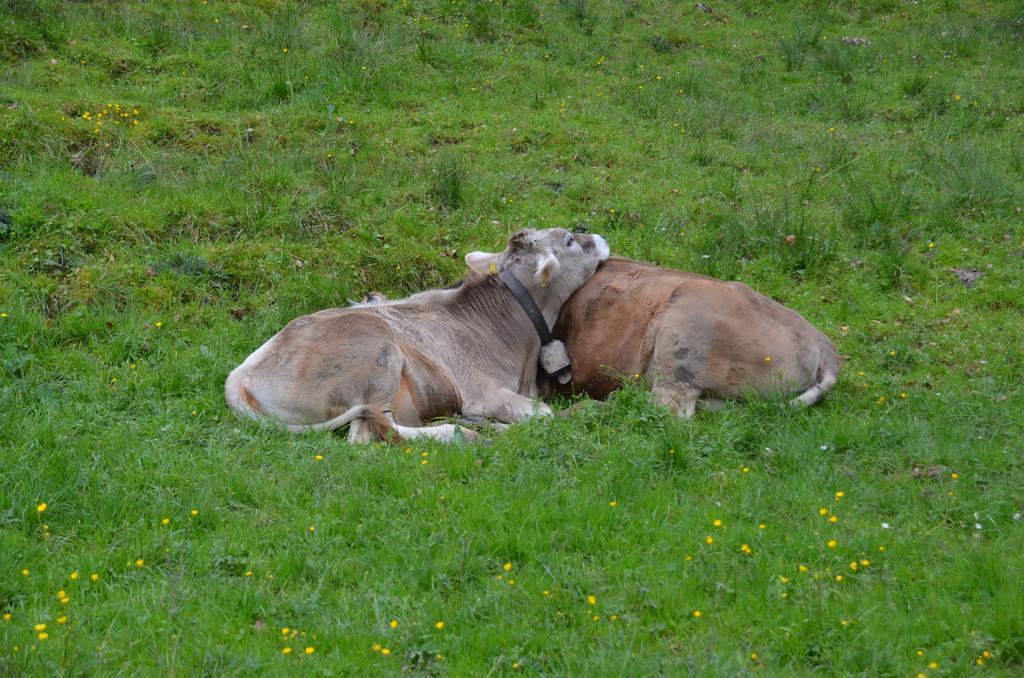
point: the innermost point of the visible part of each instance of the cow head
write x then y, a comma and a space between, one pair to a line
552, 263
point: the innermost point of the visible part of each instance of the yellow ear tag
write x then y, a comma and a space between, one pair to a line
493, 269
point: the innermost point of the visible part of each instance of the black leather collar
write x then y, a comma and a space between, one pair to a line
529, 307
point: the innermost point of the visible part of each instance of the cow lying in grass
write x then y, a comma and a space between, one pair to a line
690, 337
386, 369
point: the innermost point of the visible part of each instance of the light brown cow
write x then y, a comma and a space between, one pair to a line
386, 369
690, 337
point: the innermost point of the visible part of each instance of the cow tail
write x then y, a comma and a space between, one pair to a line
379, 424
828, 372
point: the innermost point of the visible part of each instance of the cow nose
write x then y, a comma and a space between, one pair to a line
603, 251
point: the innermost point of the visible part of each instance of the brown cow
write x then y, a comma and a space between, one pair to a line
388, 368
690, 337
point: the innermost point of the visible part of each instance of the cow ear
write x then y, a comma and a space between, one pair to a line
482, 262
546, 268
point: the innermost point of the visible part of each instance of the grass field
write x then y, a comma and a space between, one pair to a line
180, 179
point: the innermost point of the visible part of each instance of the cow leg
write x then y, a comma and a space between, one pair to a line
506, 406
713, 404
359, 431
680, 398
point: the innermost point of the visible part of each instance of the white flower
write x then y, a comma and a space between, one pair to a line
977, 526
885, 526
824, 447
1016, 516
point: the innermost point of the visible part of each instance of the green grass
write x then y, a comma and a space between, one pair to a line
142, 262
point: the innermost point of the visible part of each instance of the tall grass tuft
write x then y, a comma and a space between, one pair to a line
873, 213
970, 178
796, 48
447, 182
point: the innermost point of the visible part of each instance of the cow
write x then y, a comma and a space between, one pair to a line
690, 338
386, 369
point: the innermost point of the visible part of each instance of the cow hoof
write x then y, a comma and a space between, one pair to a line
465, 434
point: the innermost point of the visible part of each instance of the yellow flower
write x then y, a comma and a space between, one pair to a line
753, 656
165, 521
159, 324
840, 495
285, 50
140, 562
318, 457
94, 577
547, 594
507, 566
24, 573
709, 539
439, 625
783, 580
613, 504
832, 543
41, 507
515, 665
375, 647
65, 600
803, 569
312, 529
194, 512
920, 653
385, 651
39, 627
44, 635
954, 476
394, 624
823, 511
310, 650
745, 469
933, 665
853, 565
61, 594
746, 549
697, 613
62, 619
833, 519
716, 522
839, 577
511, 582
286, 650
73, 576
864, 562
248, 573
760, 526
767, 358
285, 630
592, 600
